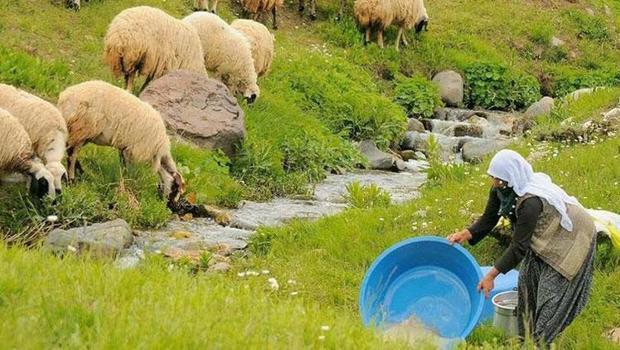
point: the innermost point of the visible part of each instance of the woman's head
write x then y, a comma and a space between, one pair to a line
509, 168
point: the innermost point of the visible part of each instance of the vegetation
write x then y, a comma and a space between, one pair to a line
325, 91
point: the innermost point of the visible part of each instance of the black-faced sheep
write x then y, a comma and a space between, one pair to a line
106, 115
312, 3
203, 5
257, 7
227, 54
17, 156
261, 43
147, 41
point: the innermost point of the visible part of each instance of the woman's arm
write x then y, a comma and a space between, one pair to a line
487, 221
527, 218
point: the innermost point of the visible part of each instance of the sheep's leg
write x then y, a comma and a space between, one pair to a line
367, 36
313, 9
380, 38
405, 42
341, 11
129, 77
274, 11
53, 159
399, 37
302, 7
72, 160
214, 8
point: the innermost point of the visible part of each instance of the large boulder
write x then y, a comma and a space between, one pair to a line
415, 125
450, 85
475, 150
542, 107
198, 109
106, 239
377, 159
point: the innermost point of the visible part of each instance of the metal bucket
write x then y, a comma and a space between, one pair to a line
505, 317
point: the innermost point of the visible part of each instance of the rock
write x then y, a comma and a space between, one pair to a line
448, 145
577, 94
198, 109
542, 107
420, 156
450, 85
464, 129
220, 267
130, 258
556, 42
106, 239
376, 158
400, 165
453, 128
474, 151
614, 335
612, 117
456, 114
408, 154
415, 125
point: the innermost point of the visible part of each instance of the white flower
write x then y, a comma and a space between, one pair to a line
325, 328
52, 218
252, 273
241, 274
71, 248
381, 219
294, 293
265, 272
291, 282
321, 337
273, 283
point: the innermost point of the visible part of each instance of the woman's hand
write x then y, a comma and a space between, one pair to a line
460, 237
486, 284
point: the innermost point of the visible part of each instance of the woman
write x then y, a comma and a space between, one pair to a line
553, 237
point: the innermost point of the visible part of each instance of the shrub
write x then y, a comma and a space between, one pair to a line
418, 96
567, 80
365, 197
494, 86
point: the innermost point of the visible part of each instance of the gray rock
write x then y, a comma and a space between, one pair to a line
556, 42
474, 151
415, 125
612, 117
450, 85
577, 94
408, 154
401, 187
465, 129
106, 239
280, 211
448, 145
420, 156
198, 109
220, 267
454, 128
377, 159
542, 107
126, 262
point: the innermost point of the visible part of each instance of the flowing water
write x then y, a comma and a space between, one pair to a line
417, 335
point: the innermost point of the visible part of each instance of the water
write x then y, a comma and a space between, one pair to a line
416, 334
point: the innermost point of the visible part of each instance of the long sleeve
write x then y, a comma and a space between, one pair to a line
487, 221
523, 228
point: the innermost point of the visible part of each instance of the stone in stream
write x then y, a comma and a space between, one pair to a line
407, 154
542, 107
415, 125
450, 84
475, 151
453, 128
377, 159
106, 239
449, 146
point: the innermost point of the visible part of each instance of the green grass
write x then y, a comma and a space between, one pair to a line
325, 90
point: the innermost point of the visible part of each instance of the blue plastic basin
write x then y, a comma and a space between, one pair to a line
428, 278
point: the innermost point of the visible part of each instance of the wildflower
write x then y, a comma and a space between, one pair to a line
52, 218
294, 293
265, 272
325, 328
71, 248
321, 337
291, 282
273, 283
241, 274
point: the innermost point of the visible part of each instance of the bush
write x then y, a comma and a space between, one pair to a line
365, 197
494, 86
567, 80
418, 96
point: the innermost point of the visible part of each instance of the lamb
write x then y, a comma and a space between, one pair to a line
256, 7
44, 124
203, 5
228, 55
17, 155
147, 41
302, 7
261, 43
407, 14
106, 115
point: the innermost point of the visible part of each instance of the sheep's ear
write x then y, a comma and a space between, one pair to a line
39, 188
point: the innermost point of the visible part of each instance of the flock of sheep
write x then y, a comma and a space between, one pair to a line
35, 135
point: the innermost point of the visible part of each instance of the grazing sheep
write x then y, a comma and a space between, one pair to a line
44, 124
147, 41
227, 55
302, 7
256, 7
261, 43
406, 14
203, 5
106, 115
17, 155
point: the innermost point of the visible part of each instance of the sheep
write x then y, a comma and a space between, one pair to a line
44, 124
302, 7
261, 43
147, 41
228, 55
203, 5
407, 14
106, 115
17, 155
256, 7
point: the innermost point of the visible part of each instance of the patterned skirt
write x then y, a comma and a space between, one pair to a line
548, 302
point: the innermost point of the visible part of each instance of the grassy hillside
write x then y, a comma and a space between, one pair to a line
325, 91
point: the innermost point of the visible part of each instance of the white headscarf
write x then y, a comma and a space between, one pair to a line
511, 167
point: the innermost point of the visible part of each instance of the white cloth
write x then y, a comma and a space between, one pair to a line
512, 168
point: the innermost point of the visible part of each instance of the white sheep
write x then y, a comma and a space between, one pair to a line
203, 5
106, 115
261, 43
147, 41
227, 54
302, 7
44, 124
257, 7
406, 14
17, 155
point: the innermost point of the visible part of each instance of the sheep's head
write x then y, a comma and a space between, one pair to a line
422, 24
73, 4
42, 184
251, 93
